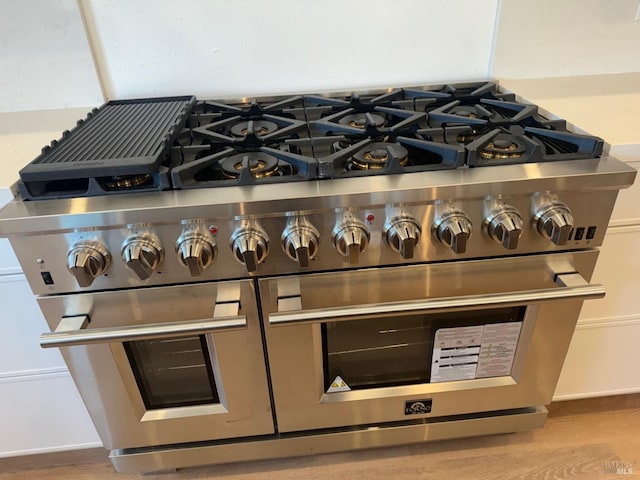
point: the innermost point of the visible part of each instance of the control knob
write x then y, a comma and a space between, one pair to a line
555, 222
453, 229
196, 251
250, 246
87, 260
402, 234
351, 238
300, 241
142, 254
504, 226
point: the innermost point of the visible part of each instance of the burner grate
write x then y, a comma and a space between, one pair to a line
231, 166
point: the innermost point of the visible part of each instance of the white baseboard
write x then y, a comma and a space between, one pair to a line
60, 448
42, 412
611, 322
33, 375
604, 393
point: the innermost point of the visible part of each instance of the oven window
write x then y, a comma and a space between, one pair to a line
173, 372
426, 348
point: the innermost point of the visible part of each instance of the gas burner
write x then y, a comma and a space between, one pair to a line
503, 147
318, 107
346, 142
209, 111
375, 123
483, 111
253, 127
260, 164
427, 99
518, 144
204, 168
376, 155
458, 113
126, 182
466, 112
251, 132
398, 155
364, 120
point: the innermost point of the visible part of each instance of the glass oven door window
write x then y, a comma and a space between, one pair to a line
424, 348
173, 372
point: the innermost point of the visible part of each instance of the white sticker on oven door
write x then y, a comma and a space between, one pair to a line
455, 353
338, 385
465, 353
499, 342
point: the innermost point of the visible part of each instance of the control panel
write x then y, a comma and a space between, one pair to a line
197, 249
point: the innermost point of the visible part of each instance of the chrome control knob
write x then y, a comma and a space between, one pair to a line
300, 241
142, 254
402, 234
196, 251
504, 226
250, 246
351, 238
87, 260
555, 222
453, 229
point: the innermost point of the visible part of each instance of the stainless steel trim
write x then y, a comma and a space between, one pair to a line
71, 338
25, 218
578, 291
310, 443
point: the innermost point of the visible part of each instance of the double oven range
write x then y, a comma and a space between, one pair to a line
233, 280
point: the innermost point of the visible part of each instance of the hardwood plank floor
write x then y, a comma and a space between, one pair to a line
576, 442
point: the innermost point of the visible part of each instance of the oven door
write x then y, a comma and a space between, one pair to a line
165, 365
411, 342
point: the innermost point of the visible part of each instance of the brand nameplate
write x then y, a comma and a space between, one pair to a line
417, 407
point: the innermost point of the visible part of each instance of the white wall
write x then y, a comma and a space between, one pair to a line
45, 60
247, 47
556, 38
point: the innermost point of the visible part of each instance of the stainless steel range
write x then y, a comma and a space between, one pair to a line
284, 276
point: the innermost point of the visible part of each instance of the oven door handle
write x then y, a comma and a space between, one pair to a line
72, 331
571, 286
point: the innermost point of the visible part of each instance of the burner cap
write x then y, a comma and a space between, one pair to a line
503, 147
464, 111
261, 164
376, 155
256, 127
363, 120
126, 181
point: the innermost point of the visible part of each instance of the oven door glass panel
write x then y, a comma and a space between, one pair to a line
388, 351
173, 372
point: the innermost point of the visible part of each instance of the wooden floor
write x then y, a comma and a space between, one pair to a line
578, 440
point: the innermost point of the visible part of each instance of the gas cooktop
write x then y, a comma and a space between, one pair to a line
184, 143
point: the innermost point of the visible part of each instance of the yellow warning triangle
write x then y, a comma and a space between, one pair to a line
338, 385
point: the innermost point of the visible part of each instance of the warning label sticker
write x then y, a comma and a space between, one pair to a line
465, 353
499, 343
338, 385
